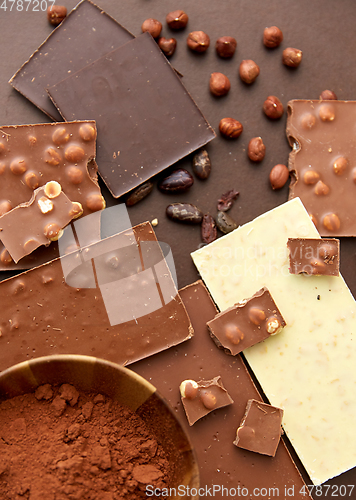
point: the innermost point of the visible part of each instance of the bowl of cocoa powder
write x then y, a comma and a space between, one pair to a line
79, 427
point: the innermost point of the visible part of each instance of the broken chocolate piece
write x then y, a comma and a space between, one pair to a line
260, 429
246, 323
86, 34
137, 99
202, 397
314, 256
322, 162
37, 222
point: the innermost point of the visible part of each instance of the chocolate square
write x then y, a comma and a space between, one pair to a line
314, 256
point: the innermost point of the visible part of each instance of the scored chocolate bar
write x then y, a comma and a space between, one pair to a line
146, 119
314, 256
322, 162
86, 34
115, 299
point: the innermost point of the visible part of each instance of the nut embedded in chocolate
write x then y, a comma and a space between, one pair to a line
292, 57
327, 113
152, 26
273, 108
167, 45
225, 46
256, 149
177, 19
278, 176
219, 84
230, 128
198, 41
340, 165
311, 177
272, 37
248, 71
56, 14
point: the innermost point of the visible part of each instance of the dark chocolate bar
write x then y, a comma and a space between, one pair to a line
246, 323
146, 119
314, 256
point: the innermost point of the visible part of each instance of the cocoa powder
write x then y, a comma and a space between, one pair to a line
60, 444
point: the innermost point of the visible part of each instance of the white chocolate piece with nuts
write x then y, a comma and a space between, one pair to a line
308, 369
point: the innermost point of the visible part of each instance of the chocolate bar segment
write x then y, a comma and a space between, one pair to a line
37, 222
322, 162
146, 119
201, 397
314, 256
246, 323
85, 35
260, 429
106, 300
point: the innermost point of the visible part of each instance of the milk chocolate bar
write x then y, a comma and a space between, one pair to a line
37, 222
115, 299
201, 397
260, 429
314, 353
32, 155
220, 462
246, 323
146, 119
322, 162
314, 256
86, 34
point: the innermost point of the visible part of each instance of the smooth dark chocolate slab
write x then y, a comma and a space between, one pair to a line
86, 34
323, 162
93, 302
246, 323
314, 256
38, 222
146, 119
260, 429
203, 396
220, 462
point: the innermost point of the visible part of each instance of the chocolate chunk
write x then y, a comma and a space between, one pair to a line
260, 429
322, 162
115, 299
202, 397
246, 323
145, 117
314, 256
37, 222
90, 31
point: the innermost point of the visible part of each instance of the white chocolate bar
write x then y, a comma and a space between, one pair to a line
309, 369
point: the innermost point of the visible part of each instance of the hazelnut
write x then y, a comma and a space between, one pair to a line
233, 334
272, 37
328, 95
219, 84
32, 140
76, 210
256, 315
225, 46
31, 180
153, 27
5, 206
167, 45
328, 252
45, 205
327, 113
230, 128
273, 325
52, 157
248, 71
52, 231
30, 245
321, 189
177, 19
18, 166
188, 389
278, 176
95, 202
209, 400
52, 189
60, 136
198, 41
308, 121
74, 174
340, 165
331, 222
256, 149
5, 257
74, 153
273, 108
317, 267
292, 57
87, 132
311, 177
56, 14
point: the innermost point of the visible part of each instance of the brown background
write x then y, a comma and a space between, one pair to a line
323, 29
